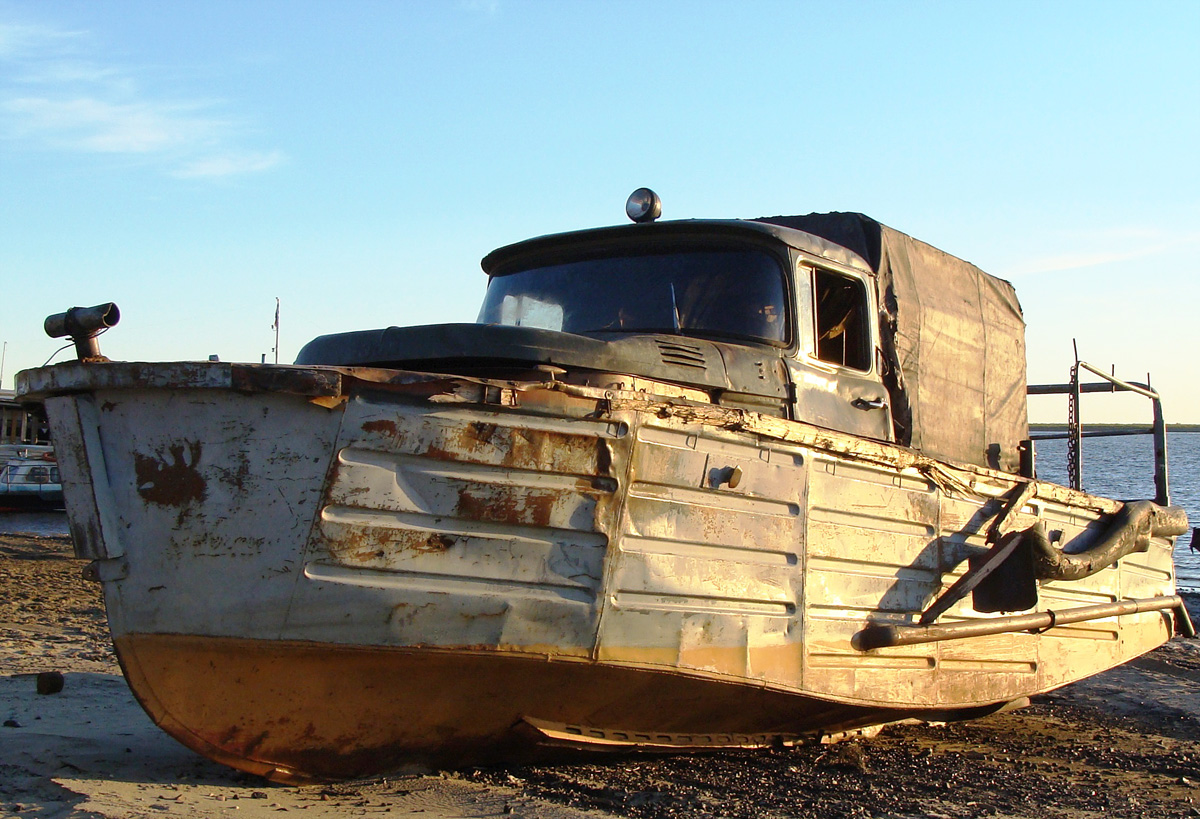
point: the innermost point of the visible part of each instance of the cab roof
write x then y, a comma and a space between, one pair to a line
510, 257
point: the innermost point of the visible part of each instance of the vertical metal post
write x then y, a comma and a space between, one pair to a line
1028, 454
1161, 484
275, 327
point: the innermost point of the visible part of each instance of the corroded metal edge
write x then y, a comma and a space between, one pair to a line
36, 385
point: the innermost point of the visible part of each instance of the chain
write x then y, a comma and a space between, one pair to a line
1072, 426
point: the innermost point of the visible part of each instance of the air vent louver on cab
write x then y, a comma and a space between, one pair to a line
681, 355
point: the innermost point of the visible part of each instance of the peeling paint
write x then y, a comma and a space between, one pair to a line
172, 480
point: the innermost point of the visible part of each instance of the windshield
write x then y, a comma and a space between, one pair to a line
722, 293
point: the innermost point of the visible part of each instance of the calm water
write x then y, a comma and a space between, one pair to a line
1123, 468
1113, 467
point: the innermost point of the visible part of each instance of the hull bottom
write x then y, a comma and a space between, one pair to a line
302, 712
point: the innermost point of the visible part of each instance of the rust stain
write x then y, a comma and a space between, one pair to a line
435, 543
381, 550
171, 482
441, 453
383, 426
482, 432
237, 476
516, 448
506, 504
250, 748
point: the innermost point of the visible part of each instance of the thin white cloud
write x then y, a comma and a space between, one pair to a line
56, 94
18, 40
64, 73
104, 127
228, 165
487, 7
1135, 243
1074, 261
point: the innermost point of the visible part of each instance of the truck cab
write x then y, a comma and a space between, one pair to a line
811, 318
733, 312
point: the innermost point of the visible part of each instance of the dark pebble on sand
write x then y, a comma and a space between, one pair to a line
49, 682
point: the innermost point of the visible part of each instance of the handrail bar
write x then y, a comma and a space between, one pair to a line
1065, 389
1125, 385
1095, 433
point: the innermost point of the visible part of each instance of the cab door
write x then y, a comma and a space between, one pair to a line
834, 373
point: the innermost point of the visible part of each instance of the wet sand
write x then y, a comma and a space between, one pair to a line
1123, 744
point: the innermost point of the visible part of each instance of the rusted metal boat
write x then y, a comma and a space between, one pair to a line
684, 485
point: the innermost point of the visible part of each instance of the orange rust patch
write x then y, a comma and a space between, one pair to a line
482, 432
520, 448
506, 504
173, 482
435, 543
384, 427
374, 548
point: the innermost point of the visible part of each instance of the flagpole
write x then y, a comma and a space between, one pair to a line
276, 327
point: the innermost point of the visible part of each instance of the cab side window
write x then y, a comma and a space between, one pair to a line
841, 310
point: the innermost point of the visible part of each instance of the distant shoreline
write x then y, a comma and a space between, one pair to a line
1101, 425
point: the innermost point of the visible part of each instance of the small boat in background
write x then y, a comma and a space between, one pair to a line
29, 478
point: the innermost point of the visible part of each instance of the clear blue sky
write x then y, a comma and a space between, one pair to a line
193, 161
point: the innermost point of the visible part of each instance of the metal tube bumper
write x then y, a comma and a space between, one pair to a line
884, 636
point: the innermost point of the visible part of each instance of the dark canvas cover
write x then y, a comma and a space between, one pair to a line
953, 338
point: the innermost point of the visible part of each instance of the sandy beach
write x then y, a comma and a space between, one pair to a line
1123, 744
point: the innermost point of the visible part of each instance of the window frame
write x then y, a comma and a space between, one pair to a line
676, 244
808, 272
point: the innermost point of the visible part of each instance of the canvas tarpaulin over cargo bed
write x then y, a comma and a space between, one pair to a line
953, 338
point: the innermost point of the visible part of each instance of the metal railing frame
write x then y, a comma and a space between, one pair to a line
1075, 432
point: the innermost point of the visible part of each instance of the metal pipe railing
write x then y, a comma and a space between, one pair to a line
882, 635
1075, 432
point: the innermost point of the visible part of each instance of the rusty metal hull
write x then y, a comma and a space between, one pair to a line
317, 573
294, 711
